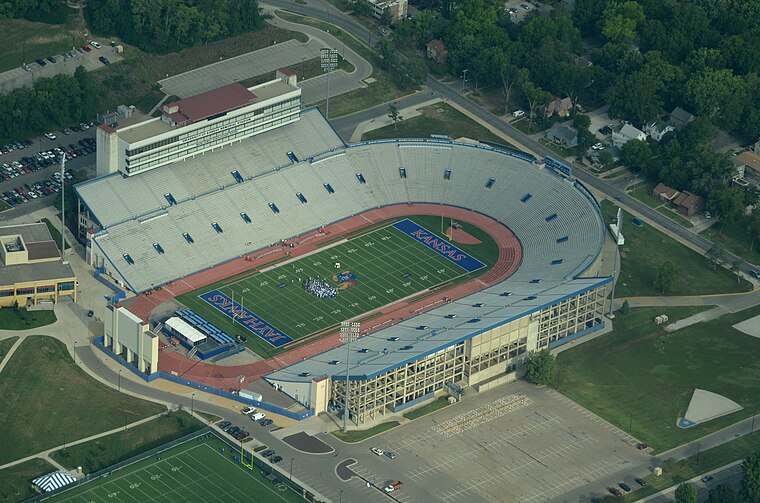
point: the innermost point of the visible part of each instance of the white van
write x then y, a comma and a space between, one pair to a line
258, 415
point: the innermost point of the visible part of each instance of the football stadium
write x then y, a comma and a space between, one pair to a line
257, 231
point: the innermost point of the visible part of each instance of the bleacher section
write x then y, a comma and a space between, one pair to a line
361, 177
204, 326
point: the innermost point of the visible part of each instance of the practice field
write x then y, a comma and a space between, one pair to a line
195, 471
374, 269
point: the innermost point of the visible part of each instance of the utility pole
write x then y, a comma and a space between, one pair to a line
63, 207
349, 332
328, 59
464, 77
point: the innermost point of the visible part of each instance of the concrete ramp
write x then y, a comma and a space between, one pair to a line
704, 406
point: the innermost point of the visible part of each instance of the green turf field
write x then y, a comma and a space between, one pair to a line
194, 471
388, 266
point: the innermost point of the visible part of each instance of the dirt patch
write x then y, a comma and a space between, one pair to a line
462, 236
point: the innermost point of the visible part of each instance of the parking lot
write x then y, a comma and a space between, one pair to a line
66, 64
515, 443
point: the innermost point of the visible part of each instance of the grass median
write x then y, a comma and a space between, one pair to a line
6, 345
48, 401
353, 436
641, 378
433, 406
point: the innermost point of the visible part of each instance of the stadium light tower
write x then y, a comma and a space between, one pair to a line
349, 332
328, 59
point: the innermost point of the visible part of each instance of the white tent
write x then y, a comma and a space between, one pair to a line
53, 481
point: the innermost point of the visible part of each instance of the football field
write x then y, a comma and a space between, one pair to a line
367, 272
195, 471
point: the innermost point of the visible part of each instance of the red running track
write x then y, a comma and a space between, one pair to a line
225, 377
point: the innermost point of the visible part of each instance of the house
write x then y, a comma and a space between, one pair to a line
561, 106
747, 165
656, 130
436, 50
396, 8
625, 133
563, 135
664, 193
680, 117
689, 204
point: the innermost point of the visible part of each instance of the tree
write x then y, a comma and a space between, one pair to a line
362, 8
625, 308
386, 51
386, 17
635, 153
736, 269
686, 493
585, 137
753, 227
637, 97
718, 94
621, 20
716, 255
535, 95
750, 488
665, 279
723, 493
539, 367
729, 204
606, 158
509, 75
394, 115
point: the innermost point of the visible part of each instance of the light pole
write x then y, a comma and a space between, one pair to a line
291, 468
349, 332
464, 77
328, 60
75, 348
340, 496
119, 380
192, 404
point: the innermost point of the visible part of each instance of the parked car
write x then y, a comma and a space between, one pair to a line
265, 422
614, 490
268, 453
104, 60
257, 416
248, 410
95, 44
50, 136
641, 446
641, 482
518, 113
525, 6
755, 274
706, 478
377, 451
87, 48
598, 146
390, 454
275, 459
625, 487
51, 59
393, 486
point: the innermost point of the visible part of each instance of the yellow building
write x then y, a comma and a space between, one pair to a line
31, 269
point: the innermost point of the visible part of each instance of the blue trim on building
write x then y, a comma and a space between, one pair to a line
576, 335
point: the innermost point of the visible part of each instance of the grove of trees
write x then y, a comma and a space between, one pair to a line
55, 101
161, 26
44, 11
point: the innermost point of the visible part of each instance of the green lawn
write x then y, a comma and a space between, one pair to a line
210, 418
641, 378
643, 192
735, 239
559, 149
388, 265
674, 216
439, 118
675, 472
46, 397
646, 248
196, 471
429, 408
16, 481
353, 436
106, 451
55, 233
22, 319
26, 41
5, 346
4, 206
